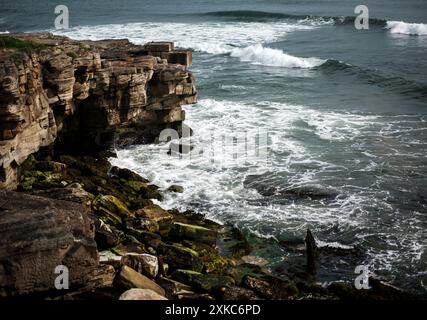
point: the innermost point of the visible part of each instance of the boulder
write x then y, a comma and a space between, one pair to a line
163, 218
193, 232
180, 257
141, 294
128, 278
146, 264
202, 282
37, 235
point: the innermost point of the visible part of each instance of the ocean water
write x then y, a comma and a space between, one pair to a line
343, 113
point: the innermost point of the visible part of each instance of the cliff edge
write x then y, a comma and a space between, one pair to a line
86, 95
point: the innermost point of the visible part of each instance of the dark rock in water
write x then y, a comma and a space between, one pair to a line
202, 282
37, 235
176, 188
311, 252
180, 257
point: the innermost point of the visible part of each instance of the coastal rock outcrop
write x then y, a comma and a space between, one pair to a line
86, 95
38, 235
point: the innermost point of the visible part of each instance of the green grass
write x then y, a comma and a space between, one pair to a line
8, 42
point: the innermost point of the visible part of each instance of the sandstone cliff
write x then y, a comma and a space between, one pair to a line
86, 95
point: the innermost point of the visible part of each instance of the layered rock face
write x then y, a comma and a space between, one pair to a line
86, 95
37, 235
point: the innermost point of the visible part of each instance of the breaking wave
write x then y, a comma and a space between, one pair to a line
400, 27
258, 54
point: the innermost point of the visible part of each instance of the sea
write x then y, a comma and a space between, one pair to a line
303, 120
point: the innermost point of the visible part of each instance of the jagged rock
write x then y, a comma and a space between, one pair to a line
311, 252
141, 294
202, 282
37, 235
180, 257
85, 93
146, 264
193, 232
129, 278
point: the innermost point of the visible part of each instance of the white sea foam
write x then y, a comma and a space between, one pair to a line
257, 54
400, 27
242, 40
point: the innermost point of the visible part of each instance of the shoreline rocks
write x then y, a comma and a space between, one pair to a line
62, 106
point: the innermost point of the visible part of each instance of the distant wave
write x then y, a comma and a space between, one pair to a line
400, 27
258, 54
404, 86
244, 15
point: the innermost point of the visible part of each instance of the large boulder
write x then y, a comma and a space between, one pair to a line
37, 235
141, 294
128, 278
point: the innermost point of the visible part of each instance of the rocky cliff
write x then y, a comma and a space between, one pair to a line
86, 95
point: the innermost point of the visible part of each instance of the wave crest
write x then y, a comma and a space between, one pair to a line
258, 54
400, 27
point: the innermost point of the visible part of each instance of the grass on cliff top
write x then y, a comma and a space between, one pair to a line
8, 42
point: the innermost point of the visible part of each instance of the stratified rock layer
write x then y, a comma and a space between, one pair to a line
37, 235
87, 95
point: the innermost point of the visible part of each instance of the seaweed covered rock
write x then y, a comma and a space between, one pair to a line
202, 282
193, 232
180, 257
